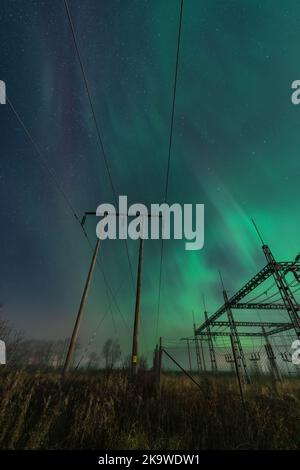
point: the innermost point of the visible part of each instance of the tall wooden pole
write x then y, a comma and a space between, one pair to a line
135, 341
158, 369
74, 337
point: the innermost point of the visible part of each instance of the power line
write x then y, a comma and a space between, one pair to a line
99, 266
169, 155
265, 301
99, 140
113, 317
276, 293
174, 100
263, 293
50, 170
54, 179
93, 336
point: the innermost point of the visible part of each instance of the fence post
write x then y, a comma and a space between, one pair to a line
158, 369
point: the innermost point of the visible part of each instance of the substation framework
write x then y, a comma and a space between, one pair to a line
278, 270
205, 332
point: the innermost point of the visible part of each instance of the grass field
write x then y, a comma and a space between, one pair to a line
98, 411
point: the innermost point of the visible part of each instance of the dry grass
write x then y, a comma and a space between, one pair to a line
109, 412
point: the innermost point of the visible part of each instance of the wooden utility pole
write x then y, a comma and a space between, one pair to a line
134, 357
74, 337
158, 368
160, 353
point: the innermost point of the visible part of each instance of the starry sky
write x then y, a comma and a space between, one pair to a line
235, 148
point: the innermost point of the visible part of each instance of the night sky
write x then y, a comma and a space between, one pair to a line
236, 146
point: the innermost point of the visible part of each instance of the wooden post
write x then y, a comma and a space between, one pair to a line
158, 369
134, 357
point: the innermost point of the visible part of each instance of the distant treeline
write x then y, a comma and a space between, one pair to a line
37, 353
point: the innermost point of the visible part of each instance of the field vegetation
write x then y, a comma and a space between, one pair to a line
98, 410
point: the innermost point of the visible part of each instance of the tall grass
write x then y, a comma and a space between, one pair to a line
37, 411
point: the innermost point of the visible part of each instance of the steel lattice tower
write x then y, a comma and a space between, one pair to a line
236, 343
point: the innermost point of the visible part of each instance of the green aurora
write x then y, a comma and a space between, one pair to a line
235, 147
